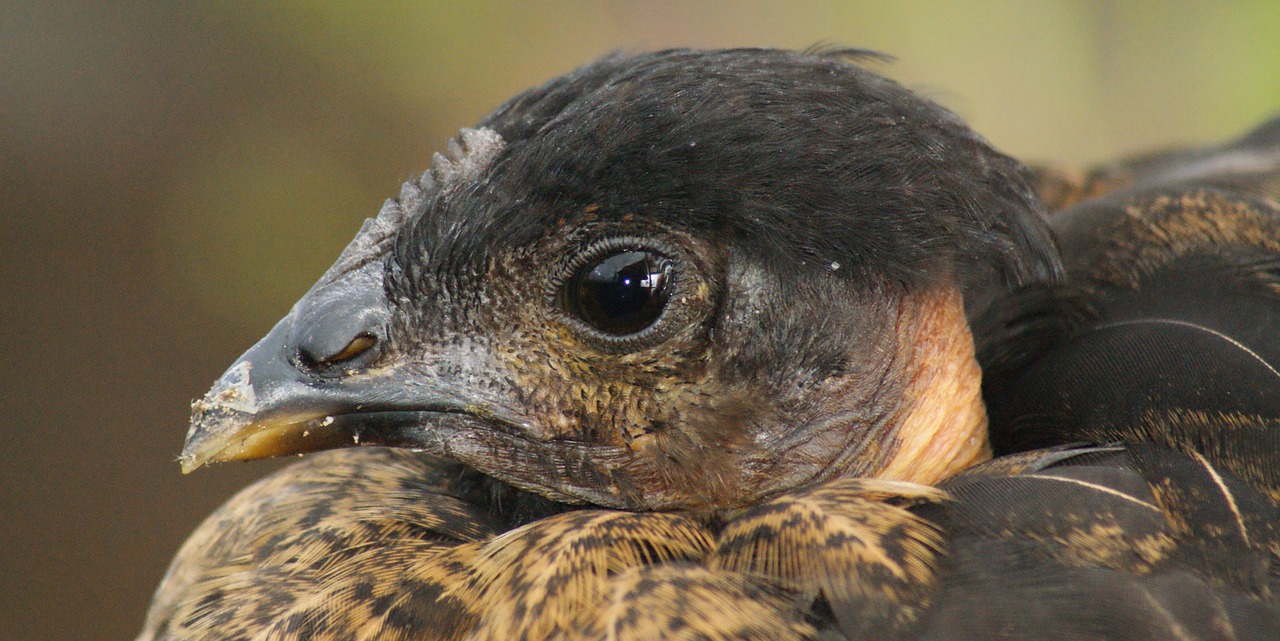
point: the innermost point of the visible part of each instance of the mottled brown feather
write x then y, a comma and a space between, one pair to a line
681, 602
851, 542
344, 544
537, 581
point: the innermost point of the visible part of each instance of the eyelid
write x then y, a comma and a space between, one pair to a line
569, 265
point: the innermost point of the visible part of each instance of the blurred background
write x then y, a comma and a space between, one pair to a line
174, 175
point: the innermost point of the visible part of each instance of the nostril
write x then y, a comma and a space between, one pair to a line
356, 348
340, 326
349, 354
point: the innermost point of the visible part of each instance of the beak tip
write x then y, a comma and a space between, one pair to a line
219, 418
195, 452
189, 463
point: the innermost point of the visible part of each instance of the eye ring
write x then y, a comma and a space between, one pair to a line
618, 293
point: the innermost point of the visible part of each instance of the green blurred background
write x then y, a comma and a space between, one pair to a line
174, 176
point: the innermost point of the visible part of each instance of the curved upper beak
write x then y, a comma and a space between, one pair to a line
323, 378
264, 406
284, 394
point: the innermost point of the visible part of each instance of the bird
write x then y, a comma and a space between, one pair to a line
758, 344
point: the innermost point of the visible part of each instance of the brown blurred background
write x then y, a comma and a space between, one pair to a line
173, 177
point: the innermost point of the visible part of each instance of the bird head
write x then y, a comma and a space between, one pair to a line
681, 280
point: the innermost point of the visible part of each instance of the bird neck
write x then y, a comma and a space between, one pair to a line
942, 423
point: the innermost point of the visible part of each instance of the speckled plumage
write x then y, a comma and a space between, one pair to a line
703, 479
1134, 537
378, 533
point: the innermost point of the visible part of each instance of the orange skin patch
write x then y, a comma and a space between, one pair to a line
945, 427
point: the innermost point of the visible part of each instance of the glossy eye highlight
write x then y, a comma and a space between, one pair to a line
622, 293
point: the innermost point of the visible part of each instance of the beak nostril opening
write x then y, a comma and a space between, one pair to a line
353, 350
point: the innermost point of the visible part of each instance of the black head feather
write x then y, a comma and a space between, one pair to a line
805, 161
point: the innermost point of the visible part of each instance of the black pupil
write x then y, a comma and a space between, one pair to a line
623, 293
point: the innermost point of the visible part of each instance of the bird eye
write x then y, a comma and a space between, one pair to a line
622, 293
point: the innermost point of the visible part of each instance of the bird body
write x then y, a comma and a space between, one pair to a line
682, 346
